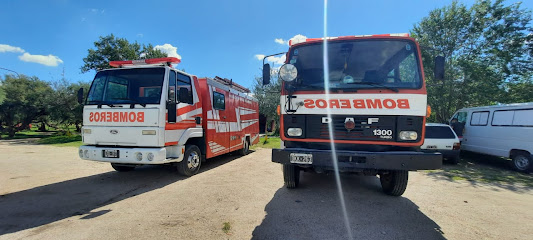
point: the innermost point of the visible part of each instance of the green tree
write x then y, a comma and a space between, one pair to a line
486, 47
27, 98
268, 97
65, 110
110, 48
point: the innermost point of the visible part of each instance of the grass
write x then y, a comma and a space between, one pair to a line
478, 168
58, 140
271, 142
53, 138
226, 227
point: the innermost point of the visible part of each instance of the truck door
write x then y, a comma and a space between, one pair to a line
220, 142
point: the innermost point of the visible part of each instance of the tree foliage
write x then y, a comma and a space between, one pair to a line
268, 97
488, 49
65, 109
110, 48
26, 99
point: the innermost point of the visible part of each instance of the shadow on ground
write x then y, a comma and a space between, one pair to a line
484, 169
313, 212
46, 204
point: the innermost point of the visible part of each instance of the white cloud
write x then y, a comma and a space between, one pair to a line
170, 50
280, 41
274, 59
49, 60
297, 38
8, 48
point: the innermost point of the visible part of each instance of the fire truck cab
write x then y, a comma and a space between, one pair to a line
147, 112
360, 108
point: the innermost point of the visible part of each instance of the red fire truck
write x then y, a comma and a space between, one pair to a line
359, 108
147, 112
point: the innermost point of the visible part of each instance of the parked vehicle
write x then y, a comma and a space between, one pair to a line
146, 112
501, 130
441, 138
376, 95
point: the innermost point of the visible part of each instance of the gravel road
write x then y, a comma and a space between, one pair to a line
49, 193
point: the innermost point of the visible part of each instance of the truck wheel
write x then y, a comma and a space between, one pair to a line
291, 175
394, 183
192, 159
122, 168
522, 162
245, 149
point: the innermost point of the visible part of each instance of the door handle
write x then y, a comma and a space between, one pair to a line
224, 117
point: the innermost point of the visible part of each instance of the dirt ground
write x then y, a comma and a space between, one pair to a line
49, 193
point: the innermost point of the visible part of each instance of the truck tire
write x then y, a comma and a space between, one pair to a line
522, 162
192, 159
245, 148
291, 175
394, 183
122, 168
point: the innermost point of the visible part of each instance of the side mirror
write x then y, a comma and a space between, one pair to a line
80, 96
266, 74
183, 95
439, 68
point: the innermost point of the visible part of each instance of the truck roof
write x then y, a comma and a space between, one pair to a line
309, 40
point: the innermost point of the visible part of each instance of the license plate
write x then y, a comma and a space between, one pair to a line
110, 153
431, 147
301, 158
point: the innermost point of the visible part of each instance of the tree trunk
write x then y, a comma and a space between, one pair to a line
78, 127
11, 132
42, 128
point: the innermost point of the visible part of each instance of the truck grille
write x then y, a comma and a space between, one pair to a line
362, 131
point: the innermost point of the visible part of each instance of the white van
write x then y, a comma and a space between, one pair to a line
501, 130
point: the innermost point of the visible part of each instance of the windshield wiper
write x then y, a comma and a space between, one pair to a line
131, 102
377, 85
99, 103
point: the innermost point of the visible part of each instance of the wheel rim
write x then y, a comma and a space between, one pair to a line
521, 162
193, 160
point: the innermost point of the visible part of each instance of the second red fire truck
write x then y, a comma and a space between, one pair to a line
147, 112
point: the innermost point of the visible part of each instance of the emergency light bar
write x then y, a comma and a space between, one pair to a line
291, 42
151, 61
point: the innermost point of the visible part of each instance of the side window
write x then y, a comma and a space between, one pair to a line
219, 102
479, 118
172, 86
523, 118
185, 82
502, 118
461, 117
97, 90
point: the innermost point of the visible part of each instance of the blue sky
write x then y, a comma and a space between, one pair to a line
43, 38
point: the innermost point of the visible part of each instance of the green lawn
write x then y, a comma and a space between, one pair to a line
53, 138
272, 142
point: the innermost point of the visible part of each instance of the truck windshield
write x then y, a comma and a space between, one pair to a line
358, 64
126, 86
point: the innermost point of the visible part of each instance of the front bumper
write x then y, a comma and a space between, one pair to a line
126, 155
361, 160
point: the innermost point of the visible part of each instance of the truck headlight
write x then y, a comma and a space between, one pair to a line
86, 131
148, 132
408, 135
294, 132
80, 152
86, 153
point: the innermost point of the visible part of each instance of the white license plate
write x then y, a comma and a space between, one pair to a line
431, 147
111, 153
301, 158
